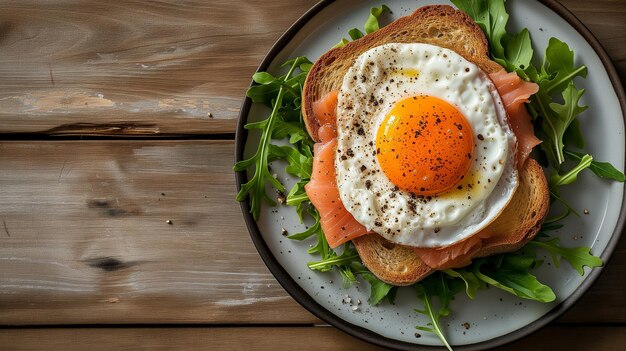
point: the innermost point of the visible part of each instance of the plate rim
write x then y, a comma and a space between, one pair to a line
306, 301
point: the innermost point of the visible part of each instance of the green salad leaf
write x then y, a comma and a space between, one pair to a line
601, 169
578, 257
519, 51
435, 285
379, 289
491, 17
297, 197
557, 180
347, 257
282, 94
371, 25
355, 34
471, 281
511, 272
558, 68
321, 247
573, 135
350, 267
299, 164
557, 118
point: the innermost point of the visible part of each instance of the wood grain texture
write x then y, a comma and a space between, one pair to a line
84, 237
132, 67
162, 68
607, 21
84, 240
269, 338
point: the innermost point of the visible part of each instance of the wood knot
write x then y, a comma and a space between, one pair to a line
108, 264
109, 209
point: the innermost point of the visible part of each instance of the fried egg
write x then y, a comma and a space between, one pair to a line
425, 156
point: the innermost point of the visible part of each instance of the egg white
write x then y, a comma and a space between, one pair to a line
374, 83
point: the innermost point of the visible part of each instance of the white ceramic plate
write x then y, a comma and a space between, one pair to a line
495, 317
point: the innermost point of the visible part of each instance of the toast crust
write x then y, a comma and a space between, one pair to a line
446, 27
440, 25
394, 264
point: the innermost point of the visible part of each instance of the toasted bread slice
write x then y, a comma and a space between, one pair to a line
439, 25
391, 263
521, 219
446, 27
519, 223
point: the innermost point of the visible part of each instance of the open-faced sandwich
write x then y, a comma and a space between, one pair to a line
423, 142
411, 149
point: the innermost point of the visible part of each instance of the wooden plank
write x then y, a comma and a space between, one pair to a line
154, 68
84, 239
132, 67
269, 338
607, 21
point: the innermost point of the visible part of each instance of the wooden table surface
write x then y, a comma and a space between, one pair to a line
117, 116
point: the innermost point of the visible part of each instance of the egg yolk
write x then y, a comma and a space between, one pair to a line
424, 145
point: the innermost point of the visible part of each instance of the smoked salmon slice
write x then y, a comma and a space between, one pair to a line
338, 224
455, 256
324, 111
327, 132
514, 92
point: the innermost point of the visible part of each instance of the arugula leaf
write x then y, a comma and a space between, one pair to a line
546, 227
558, 67
578, 257
573, 135
312, 230
491, 17
379, 290
293, 130
472, 283
341, 43
348, 276
371, 24
557, 118
255, 187
299, 165
267, 91
434, 285
297, 197
283, 95
511, 272
355, 34
557, 180
514, 52
349, 265
348, 256
519, 52
321, 247
601, 169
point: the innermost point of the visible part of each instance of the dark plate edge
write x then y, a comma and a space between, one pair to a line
312, 306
